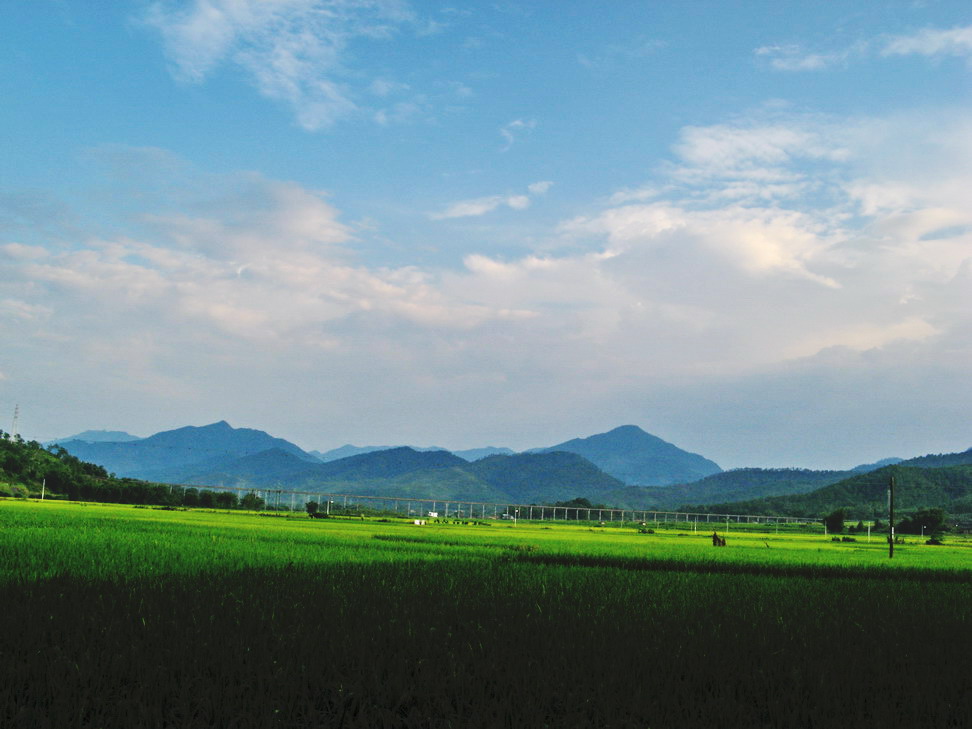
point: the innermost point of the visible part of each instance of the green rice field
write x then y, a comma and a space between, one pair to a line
118, 616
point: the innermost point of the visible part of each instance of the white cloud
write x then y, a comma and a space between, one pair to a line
757, 241
383, 87
460, 89
763, 151
293, 49
473, 208
403, 111
251, 263
931, 42
621, 53
482, 205
864, 337
510, 132
639, 194
791, 57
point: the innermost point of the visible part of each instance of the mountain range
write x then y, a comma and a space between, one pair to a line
192, 454
625, 467
220, 455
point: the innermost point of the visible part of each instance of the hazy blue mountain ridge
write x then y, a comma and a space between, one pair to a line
638, 458
352, 450
99, 436
865, 467
405, 472
474, 454
165, 455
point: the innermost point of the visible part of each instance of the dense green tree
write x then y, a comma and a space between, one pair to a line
923, 521
834, 521
312, 507
252, 502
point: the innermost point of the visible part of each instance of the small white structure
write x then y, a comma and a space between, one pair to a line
433, 515
419, 522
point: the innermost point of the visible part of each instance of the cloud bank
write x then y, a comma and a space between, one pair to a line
792, 250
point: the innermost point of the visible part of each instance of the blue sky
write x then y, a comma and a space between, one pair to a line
744, 226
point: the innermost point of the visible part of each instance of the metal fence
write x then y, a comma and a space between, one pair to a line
465, 510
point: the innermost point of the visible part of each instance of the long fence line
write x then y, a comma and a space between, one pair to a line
419, 508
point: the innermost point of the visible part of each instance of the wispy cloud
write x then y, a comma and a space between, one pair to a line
482, 205
293, 50
510, 132
792, 57
929, 42
621, 53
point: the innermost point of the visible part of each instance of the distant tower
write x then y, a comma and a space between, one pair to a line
16, 417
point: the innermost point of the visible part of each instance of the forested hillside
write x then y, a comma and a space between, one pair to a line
738, 484
29, 469
939, 460
25, 466
865, 495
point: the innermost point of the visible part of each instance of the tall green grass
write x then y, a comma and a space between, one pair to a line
126, 618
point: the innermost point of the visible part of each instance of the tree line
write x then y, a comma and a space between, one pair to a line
28, 468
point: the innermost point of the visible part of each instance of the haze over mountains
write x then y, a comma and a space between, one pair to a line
627, 453
625, 467
221, 455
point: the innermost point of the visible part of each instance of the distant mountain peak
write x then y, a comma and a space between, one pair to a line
100, 436
220, 425
636, 457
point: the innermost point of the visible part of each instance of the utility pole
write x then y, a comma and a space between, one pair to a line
891, 519
13, 426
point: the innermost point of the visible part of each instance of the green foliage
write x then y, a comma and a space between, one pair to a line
28, 467
579, 509
312, 507
834, 521
923, 521
866, 494
941, 460
735, 485
542, 478
29, 464
252, 502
